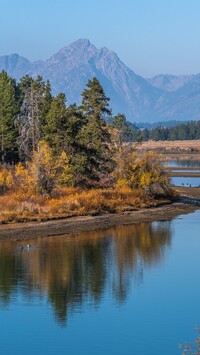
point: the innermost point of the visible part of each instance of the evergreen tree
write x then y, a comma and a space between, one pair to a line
120, 123
94, 138
94, 101
63, 126
55, 128
8, 111
45, 107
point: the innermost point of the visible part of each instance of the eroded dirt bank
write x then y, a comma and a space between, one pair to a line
21, 231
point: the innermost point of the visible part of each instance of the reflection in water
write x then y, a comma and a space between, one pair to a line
186, 181
74, 271
184, 163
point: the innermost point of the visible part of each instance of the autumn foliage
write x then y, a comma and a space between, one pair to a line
44, 188
141, 171
64, 161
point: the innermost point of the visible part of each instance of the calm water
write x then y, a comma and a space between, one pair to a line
129, 290
186, 181
184, 163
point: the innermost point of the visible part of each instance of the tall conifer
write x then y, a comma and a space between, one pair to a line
94, 137
8, 111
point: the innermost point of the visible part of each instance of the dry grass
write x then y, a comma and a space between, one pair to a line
185, 145
65, 202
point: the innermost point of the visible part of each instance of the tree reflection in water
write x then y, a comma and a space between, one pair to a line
77, 270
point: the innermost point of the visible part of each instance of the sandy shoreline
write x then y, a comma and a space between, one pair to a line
30, 230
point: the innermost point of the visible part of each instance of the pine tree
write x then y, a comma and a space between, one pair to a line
45, 107
8, 111
94, 101
63, 125
74, 124
94, 138
55, 128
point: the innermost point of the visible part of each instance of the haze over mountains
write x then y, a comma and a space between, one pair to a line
164, 97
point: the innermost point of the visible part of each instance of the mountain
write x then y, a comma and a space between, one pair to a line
164, 97
15, 65
170, 82
180, 99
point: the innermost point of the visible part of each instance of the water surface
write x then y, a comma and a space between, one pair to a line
184, 163
189, 181
186, 181
127, 290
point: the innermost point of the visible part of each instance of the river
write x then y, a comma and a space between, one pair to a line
122, 291
189, 181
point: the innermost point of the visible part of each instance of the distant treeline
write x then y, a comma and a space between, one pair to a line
149, 126
184, 131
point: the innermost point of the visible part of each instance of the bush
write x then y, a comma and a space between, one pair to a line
142, 171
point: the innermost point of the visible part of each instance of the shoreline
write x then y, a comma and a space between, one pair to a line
72, 225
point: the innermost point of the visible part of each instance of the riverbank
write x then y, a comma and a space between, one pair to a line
173, 150
30, 230
26, 206
25, 216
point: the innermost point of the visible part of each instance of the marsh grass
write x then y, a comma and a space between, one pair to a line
21, 205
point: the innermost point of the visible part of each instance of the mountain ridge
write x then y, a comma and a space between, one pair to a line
163, 97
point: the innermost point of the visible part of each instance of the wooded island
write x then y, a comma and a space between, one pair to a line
59, 160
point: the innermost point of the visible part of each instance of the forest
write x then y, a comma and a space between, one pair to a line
182, 131
159, 131
58, 159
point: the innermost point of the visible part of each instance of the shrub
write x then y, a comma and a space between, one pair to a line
142, 171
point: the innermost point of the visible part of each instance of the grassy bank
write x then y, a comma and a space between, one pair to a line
18, 206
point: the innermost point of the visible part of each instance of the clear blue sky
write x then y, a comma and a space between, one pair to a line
150, 36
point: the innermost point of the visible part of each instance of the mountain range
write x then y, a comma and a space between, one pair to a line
161, 98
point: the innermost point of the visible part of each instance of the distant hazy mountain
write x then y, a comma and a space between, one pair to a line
164, 97
15, 65
170, 82
180, 99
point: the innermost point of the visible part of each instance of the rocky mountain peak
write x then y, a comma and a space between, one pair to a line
80, 50
164, 97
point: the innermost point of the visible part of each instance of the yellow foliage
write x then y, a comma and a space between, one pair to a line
141, 171
65, 174
46, 170
122, 184
19, 170
6, 178
21, 175
145, 178
42, 169
41, 175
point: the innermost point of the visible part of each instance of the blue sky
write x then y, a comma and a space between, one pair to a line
150, 36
